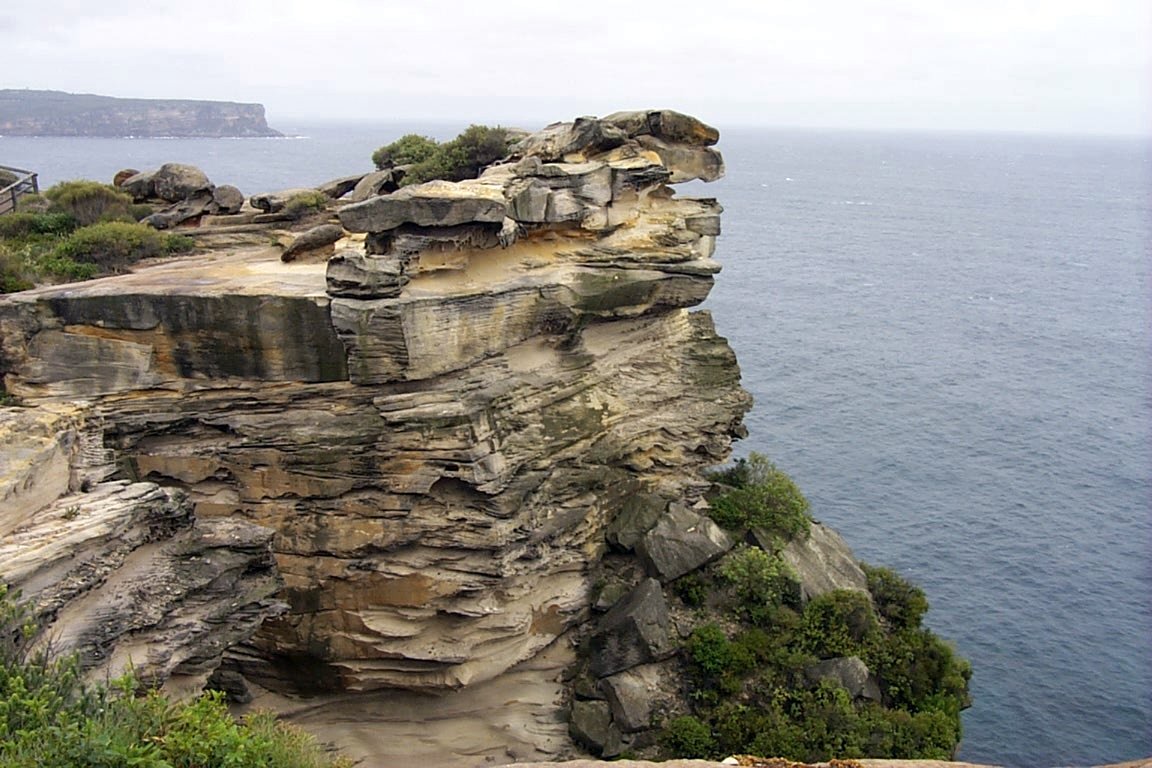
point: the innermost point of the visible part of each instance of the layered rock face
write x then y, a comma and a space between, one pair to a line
440, 423
120, 572
55, 113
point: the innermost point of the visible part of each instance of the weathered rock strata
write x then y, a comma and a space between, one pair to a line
120, 572
440, 424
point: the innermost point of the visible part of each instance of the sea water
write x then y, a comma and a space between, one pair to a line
947, 337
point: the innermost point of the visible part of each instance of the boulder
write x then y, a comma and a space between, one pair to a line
121, 176
141, 186
583, 136
318, 238
590, 724
274, 202
680, 542
850, 672
226, 199
337, 188
665, 124
634, 632
822, 562
373, 184
188, 209
639, 513
432, 204
632, 697
174, 182
409, 240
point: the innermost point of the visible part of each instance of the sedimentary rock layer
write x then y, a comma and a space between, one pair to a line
441, 422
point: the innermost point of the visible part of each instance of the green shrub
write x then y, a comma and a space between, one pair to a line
24, 263
760, 580
686, 736
692, 589
303, 203
113, 245
838, 623
463, 157
406, 150
919, 671
898, 602
89, 202
178, 243
749, 689
13, 273
21, 225
764, 497
33, 203
50, 717
140, 211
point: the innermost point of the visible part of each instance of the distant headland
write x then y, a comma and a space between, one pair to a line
56, 113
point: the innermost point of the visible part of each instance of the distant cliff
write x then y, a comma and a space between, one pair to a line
55, 113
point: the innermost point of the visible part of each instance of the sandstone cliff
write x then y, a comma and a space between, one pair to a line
438, 425
55, 113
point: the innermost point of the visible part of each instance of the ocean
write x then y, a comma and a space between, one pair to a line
948, 340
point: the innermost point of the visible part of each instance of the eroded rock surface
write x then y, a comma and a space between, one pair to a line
119, 572
440, 424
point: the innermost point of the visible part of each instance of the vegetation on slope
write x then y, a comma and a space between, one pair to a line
461, 158
750, 654
50, 717
78, 230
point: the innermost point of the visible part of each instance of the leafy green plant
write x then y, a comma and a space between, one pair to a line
692, 589
761, 580
306, 202
461, 158
760, 496
89, 202
750, 689
898, 602
406, 150
50, 717
685, 736
838, 623
113, 245
21, 225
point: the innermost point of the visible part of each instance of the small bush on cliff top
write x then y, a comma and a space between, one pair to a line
461, 158
89, 202
50, 717
113, 245
23, 225
406, 150
306, 202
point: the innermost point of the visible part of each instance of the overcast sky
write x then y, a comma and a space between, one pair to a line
1020, 65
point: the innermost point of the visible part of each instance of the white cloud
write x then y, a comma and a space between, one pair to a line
1008, 64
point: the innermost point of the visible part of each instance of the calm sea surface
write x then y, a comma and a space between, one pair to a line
948, 341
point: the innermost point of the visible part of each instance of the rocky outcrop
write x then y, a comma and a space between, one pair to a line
440, 423
120, 572
55, 113
179, 194
823, 562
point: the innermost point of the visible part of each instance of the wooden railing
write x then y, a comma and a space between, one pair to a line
25, 184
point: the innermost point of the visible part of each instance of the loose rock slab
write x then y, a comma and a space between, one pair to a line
634, 632
680, 542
